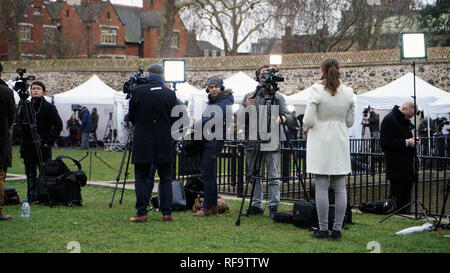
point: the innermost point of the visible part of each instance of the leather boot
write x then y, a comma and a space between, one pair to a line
203, 212
139, 219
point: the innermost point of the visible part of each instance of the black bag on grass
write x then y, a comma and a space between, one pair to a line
305, 215
60, 185
192, 189
11, 197
285, 217
178, 197
377, 207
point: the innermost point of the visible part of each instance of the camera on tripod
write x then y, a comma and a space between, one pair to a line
136, 80
271, 80
440, 123
21, 85
365, 115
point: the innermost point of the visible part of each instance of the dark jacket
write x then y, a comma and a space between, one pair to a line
292, 124
223, 99
49, 126
150, 110
94, 117
86, 122
374, 122
7, 110
73, 125
395, 129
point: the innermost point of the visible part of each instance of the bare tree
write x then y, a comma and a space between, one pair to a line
10, 12
169, 12
234, 21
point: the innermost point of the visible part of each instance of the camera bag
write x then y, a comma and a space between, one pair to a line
305, 215
11, 197
178, 197
60, 185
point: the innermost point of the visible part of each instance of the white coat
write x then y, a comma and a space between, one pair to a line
328, 118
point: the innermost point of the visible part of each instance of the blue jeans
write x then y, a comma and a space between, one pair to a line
211, 151
142, 174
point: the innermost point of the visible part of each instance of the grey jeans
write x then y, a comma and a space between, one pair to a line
323, 204
85, 140
270, 160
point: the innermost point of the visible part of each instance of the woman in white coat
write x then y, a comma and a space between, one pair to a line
329, 113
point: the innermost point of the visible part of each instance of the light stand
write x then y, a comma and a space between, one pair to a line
413, 47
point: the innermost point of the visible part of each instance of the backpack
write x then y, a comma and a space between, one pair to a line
377, 207
60, 185
11, 197
178, 197
305, 215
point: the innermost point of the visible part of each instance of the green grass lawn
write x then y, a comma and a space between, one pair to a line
98, 228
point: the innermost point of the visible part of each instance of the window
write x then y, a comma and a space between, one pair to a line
49, 34
67, 14
175, 40
109, 36
38, 11
108, 16
25, 33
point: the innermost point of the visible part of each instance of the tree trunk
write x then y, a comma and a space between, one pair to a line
9, 21
166, 29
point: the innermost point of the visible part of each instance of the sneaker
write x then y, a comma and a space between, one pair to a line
321, 235
336, 235
255, 211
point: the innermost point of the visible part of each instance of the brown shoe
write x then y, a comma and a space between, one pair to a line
214, 210
5, 217
139, 219
203, 212
167, 218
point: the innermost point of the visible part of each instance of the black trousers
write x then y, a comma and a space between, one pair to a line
400, 193
31, 167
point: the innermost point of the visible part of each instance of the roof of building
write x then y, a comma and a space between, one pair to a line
53, 9
130, 16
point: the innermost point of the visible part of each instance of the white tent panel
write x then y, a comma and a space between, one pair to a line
241, 84
396, 93
441, 106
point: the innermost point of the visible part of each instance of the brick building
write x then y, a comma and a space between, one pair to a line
93, 29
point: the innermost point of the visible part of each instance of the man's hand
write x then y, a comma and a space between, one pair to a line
250, 101
412, 143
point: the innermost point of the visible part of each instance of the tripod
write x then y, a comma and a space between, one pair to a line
109, 129
26, 108
438, 227
129, 150
255, 164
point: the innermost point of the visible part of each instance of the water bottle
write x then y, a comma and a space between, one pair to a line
25, 210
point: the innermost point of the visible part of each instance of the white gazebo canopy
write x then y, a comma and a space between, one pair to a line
93, 93
440, 107
241, 84
396, 93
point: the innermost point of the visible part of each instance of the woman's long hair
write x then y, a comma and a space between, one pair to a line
331, 78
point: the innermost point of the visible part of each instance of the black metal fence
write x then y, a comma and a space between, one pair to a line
366, 183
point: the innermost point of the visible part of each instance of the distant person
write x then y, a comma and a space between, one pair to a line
7, 110
94, 117
398, 146
73, 125
293, 126
329, 113
86, 126
374, 123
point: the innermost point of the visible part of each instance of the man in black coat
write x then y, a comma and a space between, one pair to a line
7, 110
150, 112
398, 146
48, 126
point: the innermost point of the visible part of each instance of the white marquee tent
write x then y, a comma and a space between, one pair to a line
396, 93
440, 107
93, 93
241, 84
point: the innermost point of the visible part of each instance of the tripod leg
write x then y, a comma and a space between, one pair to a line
395, 212
118, 176
126, 176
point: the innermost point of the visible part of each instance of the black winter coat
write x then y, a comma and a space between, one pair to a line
395, 129
49, 126
150, 112
7, 110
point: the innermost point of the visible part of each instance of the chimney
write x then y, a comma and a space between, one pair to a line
152, 4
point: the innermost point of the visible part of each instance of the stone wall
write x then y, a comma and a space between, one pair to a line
364, 70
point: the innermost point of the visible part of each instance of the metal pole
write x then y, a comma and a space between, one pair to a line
415, 140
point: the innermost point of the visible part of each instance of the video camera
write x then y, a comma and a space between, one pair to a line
365, 115
76, 107
21, 85
441, 122
271, 80
134, 81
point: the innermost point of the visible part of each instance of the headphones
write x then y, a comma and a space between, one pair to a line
222, 87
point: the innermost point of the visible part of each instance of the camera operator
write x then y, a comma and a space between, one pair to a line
373, 121
86, 126
150, 110
271, 154
7, 110
48, 126
425, 132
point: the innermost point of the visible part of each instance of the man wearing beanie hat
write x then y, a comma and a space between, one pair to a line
7, 109
218, 96
150, 112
